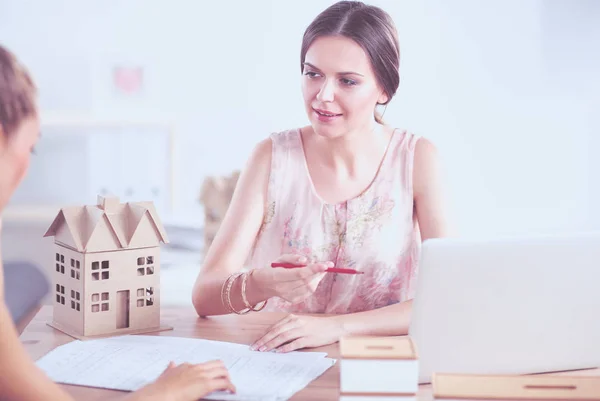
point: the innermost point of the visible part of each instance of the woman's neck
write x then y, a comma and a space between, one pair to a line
348, 154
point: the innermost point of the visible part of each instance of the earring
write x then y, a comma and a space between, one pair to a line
384, 110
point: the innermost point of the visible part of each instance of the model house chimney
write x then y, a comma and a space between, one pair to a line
108, 203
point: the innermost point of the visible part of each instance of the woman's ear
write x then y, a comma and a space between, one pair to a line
383, 98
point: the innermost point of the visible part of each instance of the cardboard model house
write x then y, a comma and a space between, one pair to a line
106, 268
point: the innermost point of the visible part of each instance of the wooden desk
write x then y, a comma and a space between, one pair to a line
39, 339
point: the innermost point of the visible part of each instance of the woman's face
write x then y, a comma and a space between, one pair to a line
15, 152
339, 87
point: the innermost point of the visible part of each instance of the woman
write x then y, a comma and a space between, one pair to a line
20, 379
346, 190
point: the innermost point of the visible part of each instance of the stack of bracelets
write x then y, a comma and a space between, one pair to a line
226, 294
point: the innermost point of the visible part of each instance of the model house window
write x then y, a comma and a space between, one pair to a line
60, 294
145, 296
147, 265
75, 300
95, 274
140, 294
75, 269
104, 275
100, 270
60, 263
100, 302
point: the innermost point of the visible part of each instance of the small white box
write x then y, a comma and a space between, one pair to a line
474, 387
378, 368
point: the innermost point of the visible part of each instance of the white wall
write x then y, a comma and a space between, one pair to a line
480, 79
571, 48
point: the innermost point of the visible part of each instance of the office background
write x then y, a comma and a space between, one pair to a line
507, 90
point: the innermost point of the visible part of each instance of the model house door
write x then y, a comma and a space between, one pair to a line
122, 309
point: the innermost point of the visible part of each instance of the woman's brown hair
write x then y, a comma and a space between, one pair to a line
17, 93
369, 26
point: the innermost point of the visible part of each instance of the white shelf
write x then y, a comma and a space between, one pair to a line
82, 120
44, 214
80, 158
30, 214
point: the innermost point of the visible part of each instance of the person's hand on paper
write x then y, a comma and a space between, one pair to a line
291, 284
187, 382
296, 332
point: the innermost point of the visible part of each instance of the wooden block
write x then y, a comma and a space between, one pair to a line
378, 397
514, 387
373, 368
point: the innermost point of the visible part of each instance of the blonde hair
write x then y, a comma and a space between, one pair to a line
17, 92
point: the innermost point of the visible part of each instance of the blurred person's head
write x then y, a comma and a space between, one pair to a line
19, 123
350, 60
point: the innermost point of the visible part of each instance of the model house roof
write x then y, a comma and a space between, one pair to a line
109, 225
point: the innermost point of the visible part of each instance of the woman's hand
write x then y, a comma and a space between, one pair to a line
186, 382
291, 284
295, 332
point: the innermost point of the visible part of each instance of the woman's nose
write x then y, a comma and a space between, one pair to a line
326, 94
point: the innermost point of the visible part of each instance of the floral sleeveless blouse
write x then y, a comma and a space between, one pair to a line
375, 232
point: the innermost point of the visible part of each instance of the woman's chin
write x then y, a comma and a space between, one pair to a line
327, 131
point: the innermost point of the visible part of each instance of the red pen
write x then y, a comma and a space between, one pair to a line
330, 270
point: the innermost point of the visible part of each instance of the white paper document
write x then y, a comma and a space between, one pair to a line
130, 362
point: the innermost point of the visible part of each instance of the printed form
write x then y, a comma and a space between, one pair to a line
130, 362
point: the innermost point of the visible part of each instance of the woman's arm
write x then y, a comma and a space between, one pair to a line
430, 205
20, 378
235, 238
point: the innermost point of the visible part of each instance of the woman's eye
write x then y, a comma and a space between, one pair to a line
348, 82
311, 74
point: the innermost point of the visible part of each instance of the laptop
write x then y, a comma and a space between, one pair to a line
508, 306
25, 287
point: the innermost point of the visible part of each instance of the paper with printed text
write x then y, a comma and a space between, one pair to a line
130, 362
